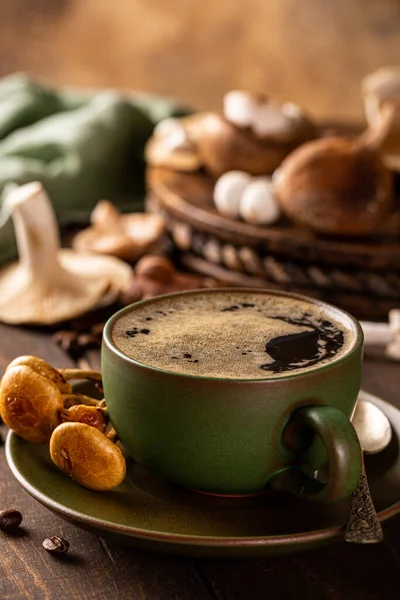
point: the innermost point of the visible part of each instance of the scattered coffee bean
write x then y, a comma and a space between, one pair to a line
186, 355
10, 519
56, 545
145, 331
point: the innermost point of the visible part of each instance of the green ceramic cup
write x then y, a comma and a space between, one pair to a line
240, 436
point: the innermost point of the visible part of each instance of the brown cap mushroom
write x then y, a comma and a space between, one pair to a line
125, 236
30, 404
88, 456
50, 284
337, 185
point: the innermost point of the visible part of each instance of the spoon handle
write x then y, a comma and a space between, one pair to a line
363, 526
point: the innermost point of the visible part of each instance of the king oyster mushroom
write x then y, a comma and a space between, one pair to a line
50, 284
256, 143
379, 88
338, 185
125, 236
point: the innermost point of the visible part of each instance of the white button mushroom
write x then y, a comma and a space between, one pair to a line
228, 191
258, 204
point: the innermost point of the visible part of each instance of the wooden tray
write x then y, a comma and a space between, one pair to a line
360, 275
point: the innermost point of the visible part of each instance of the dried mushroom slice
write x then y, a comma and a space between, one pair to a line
126, 236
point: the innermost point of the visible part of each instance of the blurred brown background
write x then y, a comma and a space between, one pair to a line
314, 52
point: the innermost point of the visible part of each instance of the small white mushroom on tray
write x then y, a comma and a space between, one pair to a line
238, 195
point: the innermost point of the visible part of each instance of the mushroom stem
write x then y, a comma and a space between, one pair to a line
80, 374
376, 134
36, 232
112, 435
72, 399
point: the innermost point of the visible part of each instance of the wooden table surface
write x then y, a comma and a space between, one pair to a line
94, 568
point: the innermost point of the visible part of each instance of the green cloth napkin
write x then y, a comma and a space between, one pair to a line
82, 147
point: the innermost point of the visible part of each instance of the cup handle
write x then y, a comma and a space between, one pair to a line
344, 454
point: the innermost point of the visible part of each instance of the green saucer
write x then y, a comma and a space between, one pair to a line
152, 514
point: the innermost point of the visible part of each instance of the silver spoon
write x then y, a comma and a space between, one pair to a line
374, 432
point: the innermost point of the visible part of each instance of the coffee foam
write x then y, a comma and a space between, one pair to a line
226, 334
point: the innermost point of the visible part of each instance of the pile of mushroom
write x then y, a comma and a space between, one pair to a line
127, 236
339, 186
50, 284
253, 134
38, 403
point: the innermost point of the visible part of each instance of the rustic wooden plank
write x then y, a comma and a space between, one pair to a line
90, 569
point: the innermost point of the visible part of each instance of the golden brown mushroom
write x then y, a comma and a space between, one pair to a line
88, 456
33, 396
95, 416
43, 368
337, 185
30, 404
125, 236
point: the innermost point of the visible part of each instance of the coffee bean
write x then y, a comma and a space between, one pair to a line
56, 545
10, 519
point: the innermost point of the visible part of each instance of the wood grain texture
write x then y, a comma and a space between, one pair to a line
312, 52
96, 569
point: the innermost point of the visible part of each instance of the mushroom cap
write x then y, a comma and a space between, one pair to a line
30, 404
89, 281
171, 147
87, 456
91, 415
43, 368
127, 238
334, 186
